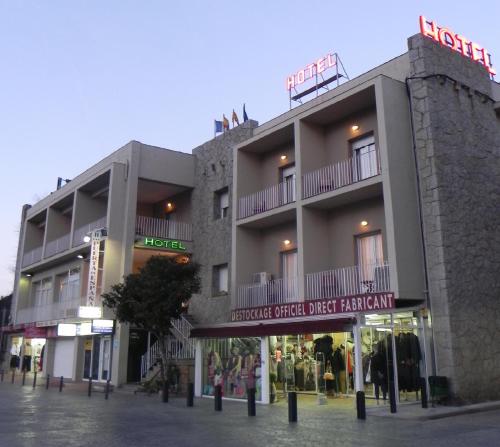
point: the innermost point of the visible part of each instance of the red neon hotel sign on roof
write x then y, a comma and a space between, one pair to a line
456, 42
309, 71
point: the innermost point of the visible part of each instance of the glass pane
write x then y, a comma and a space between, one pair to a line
96, 349
106, 349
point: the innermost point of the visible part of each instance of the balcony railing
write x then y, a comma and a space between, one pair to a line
151, 226
267, 199
345, 281
343, 173
80, 232
278, 291
52, 311
32, 256
56, 246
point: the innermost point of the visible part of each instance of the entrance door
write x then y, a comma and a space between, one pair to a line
370, 262
364, 158
289, 271
288, 184
97, 357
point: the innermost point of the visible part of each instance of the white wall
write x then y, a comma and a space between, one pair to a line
64, 358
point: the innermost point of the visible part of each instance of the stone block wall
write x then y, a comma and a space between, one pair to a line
212, 235
457, 136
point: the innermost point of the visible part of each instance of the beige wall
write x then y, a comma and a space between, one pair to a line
270, 164
58, 224
33, 236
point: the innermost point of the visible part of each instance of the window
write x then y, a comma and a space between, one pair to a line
69, 285
370, 262
287, 176
43, 292
220, 277
221, 208
364, 158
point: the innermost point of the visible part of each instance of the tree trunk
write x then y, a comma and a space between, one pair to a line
163, 367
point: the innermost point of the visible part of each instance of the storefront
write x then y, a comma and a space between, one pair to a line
27, 349
321, 360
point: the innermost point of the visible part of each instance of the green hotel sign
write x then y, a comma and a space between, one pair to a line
166, 244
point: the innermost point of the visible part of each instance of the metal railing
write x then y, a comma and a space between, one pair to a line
267, 199
53, 311
152, 226
56, 246
343, 173
277, 291
32, 256
80, 232
346, 281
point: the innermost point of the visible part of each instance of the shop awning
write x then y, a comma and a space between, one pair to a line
275, 328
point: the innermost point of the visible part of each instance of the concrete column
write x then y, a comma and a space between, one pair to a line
264, 369
358, 361
198, 368
119, 353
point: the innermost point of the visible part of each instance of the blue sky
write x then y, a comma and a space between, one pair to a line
82, 78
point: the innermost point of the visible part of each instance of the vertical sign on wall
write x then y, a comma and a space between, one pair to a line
95, 245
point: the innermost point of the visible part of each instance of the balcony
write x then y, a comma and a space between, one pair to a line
57, 246
48, 312
278, 291
267, 199
32, 256
161, 228
347, 281
80, 232
343, 173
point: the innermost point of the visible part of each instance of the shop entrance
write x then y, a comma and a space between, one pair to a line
97, 357
26, 354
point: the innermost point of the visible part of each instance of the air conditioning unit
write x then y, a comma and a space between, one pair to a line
261, 278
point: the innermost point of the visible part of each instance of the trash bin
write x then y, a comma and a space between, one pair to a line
439, 390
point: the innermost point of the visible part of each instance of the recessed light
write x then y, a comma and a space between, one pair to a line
354, 127
287, 242
29, 275
86, 238
283, 157
364, 223
80, 256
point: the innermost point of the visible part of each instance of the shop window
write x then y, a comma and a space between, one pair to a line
221, 203
220, 276
364, 158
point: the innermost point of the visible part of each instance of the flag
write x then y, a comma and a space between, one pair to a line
218, 126
245, 116
235, 119
225, 122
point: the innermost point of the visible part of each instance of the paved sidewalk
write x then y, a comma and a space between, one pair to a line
38, 418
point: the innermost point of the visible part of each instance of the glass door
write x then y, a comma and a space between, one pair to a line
105, 357
364, 157
288, 182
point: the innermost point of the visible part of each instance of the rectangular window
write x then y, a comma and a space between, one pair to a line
364, 158
43, 292
69, 286
220, 277
221, 203
370, 261
287, 177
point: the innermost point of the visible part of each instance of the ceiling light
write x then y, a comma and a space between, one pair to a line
354, 127
29, 275
283, 157
169, 205
287, 242
79, 256
86, 238
364, 223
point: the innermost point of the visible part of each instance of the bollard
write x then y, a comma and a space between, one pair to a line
361, 405
190, 395
392, 396
24, 378
218, 398
292, 406
89, 391
165, 392
61, 384
13, 375
1, 374
423, 392
106, 394
251, 401
47, 383
34, 380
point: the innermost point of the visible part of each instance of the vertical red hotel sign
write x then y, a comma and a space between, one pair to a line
456, 42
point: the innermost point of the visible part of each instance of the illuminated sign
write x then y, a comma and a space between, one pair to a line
346, 304
310, 71
102, 326
89, 312
66, 330
456, 42
169, 244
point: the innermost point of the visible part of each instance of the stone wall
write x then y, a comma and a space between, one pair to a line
211, 235
457, 135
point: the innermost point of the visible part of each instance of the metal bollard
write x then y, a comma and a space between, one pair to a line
190, 395
218, 398
423, 392
251, 401
13, 376
292, 406
361, 405
392, 396
47, 383
61, 384
89, 391
24, 378
106, 394
34, 380
165, 392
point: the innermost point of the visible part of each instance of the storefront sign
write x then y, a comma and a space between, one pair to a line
310, 71
35, 332
102, 326
348, 304
464, 46
89, 312
168, 244
93, 268
66, 330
